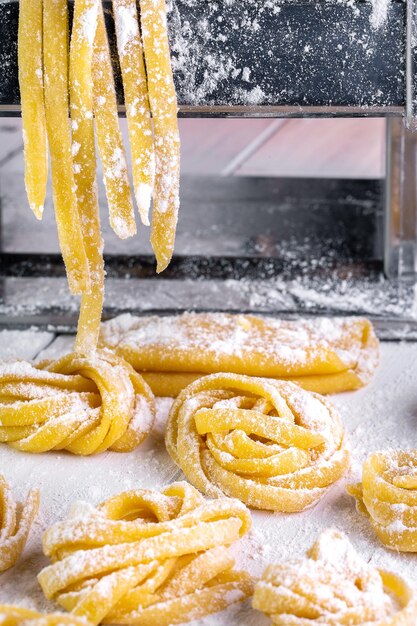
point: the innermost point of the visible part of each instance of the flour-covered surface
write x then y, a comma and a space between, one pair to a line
252, 53
23, 344
380, 416
287, 52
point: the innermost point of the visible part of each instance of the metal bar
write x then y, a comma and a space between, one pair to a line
13, 265
261, 111
411, 65
400, 255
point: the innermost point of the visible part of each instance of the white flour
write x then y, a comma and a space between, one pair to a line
377, 417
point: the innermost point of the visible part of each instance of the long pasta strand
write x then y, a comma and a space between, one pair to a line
110, 142
81, 97
55, 33
33, 108
135, 88
147, 558
163, 103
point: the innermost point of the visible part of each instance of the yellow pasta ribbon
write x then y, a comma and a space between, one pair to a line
109, 137
30, 62
322, 355
82, 124
334, 586
11, 615
50, 86
269, 443
83, 404
15, 523
147, 558
135, 89
163, 102
55, 40
388, 495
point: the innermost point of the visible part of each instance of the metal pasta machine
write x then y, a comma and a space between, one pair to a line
281, 246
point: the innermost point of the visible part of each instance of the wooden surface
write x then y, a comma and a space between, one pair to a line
380, 416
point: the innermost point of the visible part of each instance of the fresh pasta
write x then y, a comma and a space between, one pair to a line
15, 524
81, 404
109, 137
163, 103
55, 59
30, 64
135, 87
269, 443
52, 84
83, 142
388, 495
147, 558
11, 615
334, 586
322, 355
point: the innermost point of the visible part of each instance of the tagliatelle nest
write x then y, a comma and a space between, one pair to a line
147, 558
388, 495
269, 443
83, 404
334, 586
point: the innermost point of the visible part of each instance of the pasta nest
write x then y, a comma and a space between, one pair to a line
146, 557
269, 443
11, 615
15, 522
83, 404
388, 495
334, 586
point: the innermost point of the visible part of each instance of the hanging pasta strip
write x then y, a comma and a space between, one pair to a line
83, 148
163, 104
135, 88
33, 107
55, 29
110, 142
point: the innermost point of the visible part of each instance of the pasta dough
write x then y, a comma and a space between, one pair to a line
15, 523
333, 586
81, 404
269, 443
323, 355
18, 616
147, 558
388, 495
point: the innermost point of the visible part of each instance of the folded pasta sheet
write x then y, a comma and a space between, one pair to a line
326, 355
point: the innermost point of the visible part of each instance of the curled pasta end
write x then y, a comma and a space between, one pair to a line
11, 615
15, 523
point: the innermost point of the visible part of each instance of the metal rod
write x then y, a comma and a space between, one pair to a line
13, 110
411, 65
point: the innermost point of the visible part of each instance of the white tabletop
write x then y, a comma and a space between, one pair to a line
381, 416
